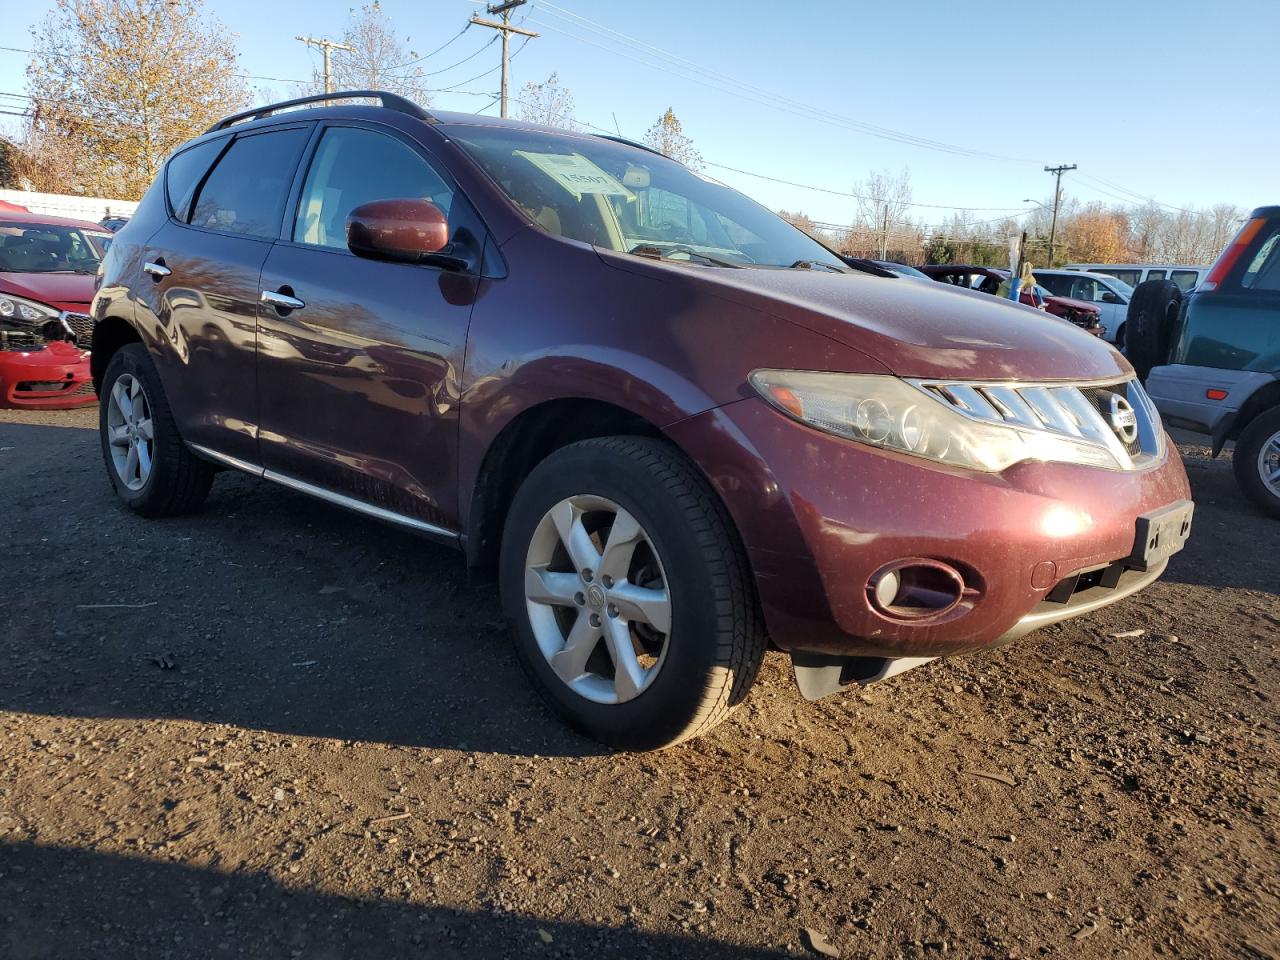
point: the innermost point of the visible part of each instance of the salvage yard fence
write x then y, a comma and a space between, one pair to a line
65, 205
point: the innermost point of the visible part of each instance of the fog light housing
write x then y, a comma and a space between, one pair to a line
915, 588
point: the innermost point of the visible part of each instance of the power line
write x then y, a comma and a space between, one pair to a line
734, 86
401, 66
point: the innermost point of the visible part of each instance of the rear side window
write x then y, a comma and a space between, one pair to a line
184, 173
353, 166
1155, 274
1185, 279
1131, 277
1264, 268
246, 191
1057, 285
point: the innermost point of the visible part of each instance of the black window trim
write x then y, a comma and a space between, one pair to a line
173, 214
253, 132
285, 234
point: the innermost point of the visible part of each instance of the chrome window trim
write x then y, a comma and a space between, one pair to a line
338, 499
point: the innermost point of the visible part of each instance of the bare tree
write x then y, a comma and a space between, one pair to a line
667, 136
549, 103
379, 60
883, 222
127, 81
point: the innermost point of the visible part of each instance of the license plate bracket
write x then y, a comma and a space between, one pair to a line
1160, 534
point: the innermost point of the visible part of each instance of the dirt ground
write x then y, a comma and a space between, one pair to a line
279, 730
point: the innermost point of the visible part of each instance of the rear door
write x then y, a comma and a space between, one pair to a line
359, 386
201, 302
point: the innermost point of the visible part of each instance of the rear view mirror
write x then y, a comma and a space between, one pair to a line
404, 230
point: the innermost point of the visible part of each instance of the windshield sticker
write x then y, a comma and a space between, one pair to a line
576, 174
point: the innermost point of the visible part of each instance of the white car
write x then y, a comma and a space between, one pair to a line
1186, 277
1109, 294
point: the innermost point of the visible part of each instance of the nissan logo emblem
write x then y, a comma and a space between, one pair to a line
1123, 420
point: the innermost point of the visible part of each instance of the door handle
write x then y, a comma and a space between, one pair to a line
282, 301
157, 269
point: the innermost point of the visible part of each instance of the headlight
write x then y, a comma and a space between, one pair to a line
17, 308
890, 413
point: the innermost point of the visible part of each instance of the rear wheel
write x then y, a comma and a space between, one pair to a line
628, 595
1148, 327
1257, 462
149, 466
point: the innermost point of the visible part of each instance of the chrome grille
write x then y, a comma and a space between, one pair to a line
1116, 415
81, 325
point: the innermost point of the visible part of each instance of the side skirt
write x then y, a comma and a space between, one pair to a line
441, 534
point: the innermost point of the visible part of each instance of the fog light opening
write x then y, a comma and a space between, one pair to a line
915, 589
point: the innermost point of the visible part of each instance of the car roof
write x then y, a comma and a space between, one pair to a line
47, 220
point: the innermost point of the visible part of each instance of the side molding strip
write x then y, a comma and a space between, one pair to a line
320, 493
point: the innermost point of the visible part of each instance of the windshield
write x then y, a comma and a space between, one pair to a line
1120, 286
41, 248
627, 199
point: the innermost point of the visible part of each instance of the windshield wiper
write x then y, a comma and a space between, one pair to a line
662, 253
815, 264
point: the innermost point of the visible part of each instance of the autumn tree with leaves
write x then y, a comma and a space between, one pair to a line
549, 103
380, 59
667, 136
124, 82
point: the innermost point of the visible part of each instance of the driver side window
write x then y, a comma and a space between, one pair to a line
353, 166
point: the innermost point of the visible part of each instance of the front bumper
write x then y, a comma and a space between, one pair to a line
819, 515
55, 377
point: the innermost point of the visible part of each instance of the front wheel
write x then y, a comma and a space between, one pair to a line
628, 595
1257, 462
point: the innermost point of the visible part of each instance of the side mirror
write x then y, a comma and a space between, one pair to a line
403, 230
1110, 297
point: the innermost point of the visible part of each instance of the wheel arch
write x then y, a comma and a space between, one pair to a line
1260, 401
524, 442
109, 335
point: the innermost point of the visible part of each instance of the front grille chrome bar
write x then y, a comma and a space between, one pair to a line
1114, 414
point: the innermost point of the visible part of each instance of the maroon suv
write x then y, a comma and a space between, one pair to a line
679, 428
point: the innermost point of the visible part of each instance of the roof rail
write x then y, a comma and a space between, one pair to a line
390, 101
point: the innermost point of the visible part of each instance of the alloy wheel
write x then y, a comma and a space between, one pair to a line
598, 599
1269, 464
130, 431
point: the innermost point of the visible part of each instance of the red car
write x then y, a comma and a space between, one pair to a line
988, 279
47, 267
679, 429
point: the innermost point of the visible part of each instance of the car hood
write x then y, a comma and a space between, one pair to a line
66, 291
914, 329
1080, 306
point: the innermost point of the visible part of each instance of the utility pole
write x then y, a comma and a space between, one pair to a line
326, 46
1057, 199
884, 235
504, 10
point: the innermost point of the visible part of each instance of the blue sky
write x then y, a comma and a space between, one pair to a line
1166, 98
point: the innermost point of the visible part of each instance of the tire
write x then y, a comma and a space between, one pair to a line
705, 661
1256, 458
1149, 323
177, 481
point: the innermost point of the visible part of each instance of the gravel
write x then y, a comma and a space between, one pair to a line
275, 729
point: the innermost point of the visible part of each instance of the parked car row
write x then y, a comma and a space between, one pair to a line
677, 428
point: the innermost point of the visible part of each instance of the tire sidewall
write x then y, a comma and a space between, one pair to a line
1245, 461
1152, 314
132, 360
667, 705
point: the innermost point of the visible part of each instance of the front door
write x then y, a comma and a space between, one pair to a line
358, 381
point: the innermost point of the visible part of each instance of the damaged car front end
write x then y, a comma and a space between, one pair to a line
43, 364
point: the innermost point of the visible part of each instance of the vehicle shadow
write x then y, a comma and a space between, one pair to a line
60, 902
267, 610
